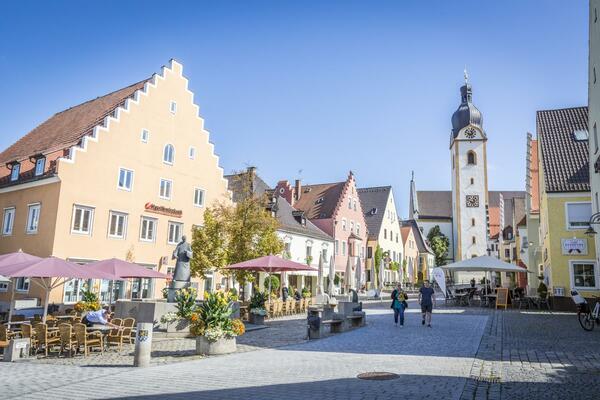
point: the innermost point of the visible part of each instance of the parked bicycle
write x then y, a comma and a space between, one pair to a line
587, 317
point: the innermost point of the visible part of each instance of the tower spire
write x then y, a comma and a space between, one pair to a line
413, 203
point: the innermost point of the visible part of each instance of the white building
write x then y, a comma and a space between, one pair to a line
594, 110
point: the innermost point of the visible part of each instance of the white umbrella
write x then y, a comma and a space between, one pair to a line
358, 274
483, 264
348, 281
320, 275
331, 275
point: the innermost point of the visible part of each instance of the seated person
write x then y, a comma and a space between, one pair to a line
101, 317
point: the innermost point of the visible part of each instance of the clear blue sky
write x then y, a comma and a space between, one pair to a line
318, 86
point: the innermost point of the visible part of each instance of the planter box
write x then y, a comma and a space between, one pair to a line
256, 319
221, 346
181, 325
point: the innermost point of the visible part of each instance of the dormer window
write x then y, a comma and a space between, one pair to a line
40, 165
581, 134
14, 173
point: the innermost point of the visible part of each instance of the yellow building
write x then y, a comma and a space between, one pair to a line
568, 255
124, 175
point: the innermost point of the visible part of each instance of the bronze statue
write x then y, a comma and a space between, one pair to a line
181, 275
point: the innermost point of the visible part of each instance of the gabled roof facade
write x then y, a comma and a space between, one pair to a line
320, 201
564, 149
374, 202
238, 183
293, 221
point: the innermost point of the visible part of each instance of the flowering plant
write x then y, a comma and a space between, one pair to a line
169, 317
212, 318
257, 303
83, 306
186, 301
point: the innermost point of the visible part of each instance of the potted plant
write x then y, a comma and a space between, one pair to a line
89, 301
215, 331
305, 293
185, 302
257, 308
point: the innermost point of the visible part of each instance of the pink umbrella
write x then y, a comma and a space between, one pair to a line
11, 259
118, 270
51, 267
269, 265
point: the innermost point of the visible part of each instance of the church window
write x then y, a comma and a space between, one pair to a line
474, 240
471, 158
472, 221
472, 181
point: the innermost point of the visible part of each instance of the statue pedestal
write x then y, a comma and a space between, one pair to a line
175, 286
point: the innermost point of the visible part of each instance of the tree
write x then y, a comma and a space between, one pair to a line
439, 243
235, 233
378, 261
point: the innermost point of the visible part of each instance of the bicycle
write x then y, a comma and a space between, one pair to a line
587, 318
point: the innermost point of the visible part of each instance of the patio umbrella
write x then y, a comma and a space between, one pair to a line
4, 279
348, 281
43, 271
269, 265
381, 273
358, 274
12, 259
331, 275
114, 269
320, 275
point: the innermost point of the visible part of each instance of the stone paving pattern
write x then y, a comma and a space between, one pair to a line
468, 354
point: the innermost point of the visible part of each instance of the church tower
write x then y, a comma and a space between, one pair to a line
469, 178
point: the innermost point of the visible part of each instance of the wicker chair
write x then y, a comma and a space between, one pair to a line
67, 339
5, 336
88, 339
28, 332
45, 338
130, 323
117, 336
117, 321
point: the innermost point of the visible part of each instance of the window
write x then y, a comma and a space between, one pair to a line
33, 218
355, 204
324, 253
173, 107
352, 226
578, 215
168, 154
344, 248
474, 240
148, 229
82, 220
337, 247
22, 285
350, 203
583, 274
198, 197
472, 181
287, 251
40, 165
125, 179
14, 173
471, 158
145, 136
472, 221
506, 253
581, 134
117, 225
308, 251
385, 233
175, 232
166, 187
192, 153
3, 286
396, 238
358, 229
8, 221
344, 224
369, 252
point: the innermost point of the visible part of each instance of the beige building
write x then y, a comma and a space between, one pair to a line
124, 175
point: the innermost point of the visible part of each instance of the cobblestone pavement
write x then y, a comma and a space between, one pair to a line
468, 354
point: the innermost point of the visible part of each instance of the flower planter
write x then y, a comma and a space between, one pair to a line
221, 346
256, 319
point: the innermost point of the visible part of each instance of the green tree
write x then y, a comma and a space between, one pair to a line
439, 243
378, 260
235, 233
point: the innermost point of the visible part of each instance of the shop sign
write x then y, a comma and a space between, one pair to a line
172, 212
574, 247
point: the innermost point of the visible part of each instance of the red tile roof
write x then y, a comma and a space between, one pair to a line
320, 201
66, 128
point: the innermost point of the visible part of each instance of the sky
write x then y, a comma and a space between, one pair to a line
312, 89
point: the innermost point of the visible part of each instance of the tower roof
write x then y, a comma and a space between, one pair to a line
466, 114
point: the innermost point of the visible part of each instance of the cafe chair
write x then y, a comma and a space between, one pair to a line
87, 339
67, 340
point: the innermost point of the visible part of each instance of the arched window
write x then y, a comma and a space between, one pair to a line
168, 154
472, 221
471, 158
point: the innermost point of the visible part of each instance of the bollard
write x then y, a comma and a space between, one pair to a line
143, 344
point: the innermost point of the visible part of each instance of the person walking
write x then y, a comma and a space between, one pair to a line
399, 297
426, 300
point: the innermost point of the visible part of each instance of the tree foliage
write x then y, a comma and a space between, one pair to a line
439, 243
235, 233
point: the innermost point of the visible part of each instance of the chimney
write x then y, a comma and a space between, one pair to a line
297, 190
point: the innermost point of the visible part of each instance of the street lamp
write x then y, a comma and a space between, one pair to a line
594, 219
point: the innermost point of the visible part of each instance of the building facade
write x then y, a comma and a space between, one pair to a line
594, 110
334, 208
532, 207
384, 231
124, 175
568, 255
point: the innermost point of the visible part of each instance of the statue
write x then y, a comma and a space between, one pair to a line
181, 276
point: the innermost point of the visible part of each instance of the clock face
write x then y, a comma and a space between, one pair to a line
470, 132
472, 200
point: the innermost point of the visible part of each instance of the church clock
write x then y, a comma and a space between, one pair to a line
470, 132
472, 200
